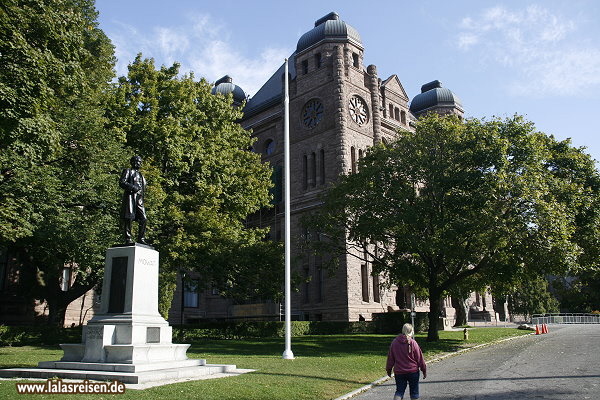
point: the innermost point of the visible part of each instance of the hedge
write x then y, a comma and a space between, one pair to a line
36, 335
385, 323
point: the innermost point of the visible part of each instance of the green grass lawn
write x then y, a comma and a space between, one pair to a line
325, 366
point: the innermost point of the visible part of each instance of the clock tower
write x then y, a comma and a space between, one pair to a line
338, 109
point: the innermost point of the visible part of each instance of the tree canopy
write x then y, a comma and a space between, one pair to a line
460, 203
57, 155
202, 180
66, 131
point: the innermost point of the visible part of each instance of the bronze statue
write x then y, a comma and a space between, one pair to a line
132, 206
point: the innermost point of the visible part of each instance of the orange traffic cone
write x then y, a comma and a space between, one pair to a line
537, 330
546, 328
543, 329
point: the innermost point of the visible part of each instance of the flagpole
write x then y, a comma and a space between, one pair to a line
287, 354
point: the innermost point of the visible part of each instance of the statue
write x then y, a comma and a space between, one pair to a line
132, 206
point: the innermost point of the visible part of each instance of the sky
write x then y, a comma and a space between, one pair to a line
540, 59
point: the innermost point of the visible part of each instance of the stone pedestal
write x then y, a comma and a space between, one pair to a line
128, 329
128, 340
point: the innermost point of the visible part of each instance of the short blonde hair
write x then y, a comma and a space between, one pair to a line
408, 330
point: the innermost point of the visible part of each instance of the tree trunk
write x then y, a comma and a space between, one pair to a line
434, 316
460, 305
59, 301
56, 313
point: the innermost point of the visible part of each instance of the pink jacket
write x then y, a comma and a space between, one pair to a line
404, 358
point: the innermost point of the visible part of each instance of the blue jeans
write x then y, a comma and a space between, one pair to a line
412, 380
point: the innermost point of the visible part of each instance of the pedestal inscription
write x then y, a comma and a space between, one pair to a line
118, 280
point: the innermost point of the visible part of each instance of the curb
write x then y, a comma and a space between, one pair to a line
433, 360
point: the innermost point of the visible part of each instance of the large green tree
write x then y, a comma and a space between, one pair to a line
202, 181
459, 202
57, 154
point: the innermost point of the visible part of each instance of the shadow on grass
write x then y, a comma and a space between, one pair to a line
322, 378
308, 346
319, 346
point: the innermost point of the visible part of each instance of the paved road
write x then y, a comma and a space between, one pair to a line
563, 364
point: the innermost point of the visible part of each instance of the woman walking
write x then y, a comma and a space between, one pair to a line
406, 359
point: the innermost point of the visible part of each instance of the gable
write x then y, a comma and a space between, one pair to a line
393, 84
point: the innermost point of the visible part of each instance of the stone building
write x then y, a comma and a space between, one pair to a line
338, 109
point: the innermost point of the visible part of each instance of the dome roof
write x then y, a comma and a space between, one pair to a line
328, 27
434, 95
225, 86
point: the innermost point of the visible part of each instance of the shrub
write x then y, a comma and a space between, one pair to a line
391, 322
36, 335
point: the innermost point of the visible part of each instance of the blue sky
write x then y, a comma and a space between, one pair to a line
539, 58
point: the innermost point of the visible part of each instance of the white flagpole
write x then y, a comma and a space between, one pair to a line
287, 354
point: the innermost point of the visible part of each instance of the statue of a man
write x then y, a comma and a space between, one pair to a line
132, 206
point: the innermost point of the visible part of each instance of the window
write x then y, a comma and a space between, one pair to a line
353, 159
269, 147
355, 60
277, 179
322, 166
313, 169
305, 67
65, 281
305, 293
364, 278
391, 111
319, 281
376, 297
397, 114
190, 292
403, 117
3, 266
318, 60
305, 172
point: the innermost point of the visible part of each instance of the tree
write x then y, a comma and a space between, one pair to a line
202, 180
532, 297
58, 203
458, 201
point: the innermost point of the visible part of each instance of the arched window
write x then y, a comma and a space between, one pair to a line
353, 159
355, 61
403, 117
318, 60
305, 67
269, 147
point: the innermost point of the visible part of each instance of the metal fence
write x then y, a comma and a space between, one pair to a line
538, 319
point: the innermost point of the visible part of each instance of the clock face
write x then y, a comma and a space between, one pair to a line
312, 113
358, 110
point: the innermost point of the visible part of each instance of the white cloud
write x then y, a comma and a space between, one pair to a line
543, 50
201, 45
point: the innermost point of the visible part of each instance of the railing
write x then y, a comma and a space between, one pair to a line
538, 319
